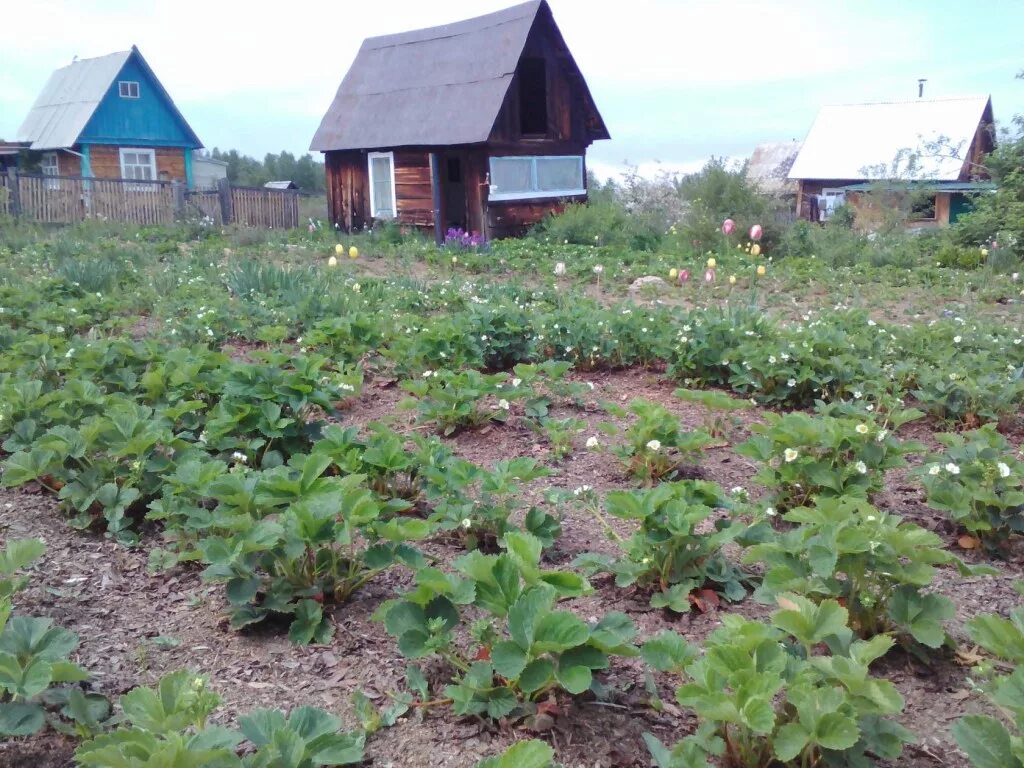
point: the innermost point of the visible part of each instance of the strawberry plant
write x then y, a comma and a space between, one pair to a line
167, 725
33, 659
310, 540
657, 447
666, 552
804, 457
457, 400
763, 696
979, 482
525, 649
720, 419
988, 742
478, 503
875, 563
529, 753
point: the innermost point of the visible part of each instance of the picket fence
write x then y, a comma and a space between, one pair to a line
70, 199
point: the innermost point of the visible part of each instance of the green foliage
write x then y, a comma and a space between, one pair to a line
456, 400
524, 649
878, 565
167, 725
762, 695
979, 482
657, 447
667, 552
804, 457
989, 742
529, 753
298, 541
33, 659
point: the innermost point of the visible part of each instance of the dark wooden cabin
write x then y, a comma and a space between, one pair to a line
482, 125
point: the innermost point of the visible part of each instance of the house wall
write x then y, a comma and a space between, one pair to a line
105, 161
150, 120
69, 164
874, 208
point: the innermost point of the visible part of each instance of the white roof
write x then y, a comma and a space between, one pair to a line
68, 100
862, 141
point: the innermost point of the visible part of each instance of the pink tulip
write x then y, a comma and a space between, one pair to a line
756, 232
684, 275
994, 245
728, 226
709, 276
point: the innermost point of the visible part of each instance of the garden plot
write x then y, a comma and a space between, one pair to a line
460, 512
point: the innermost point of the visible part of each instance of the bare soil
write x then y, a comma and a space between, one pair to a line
134, 627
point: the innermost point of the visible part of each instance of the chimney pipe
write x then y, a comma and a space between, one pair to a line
920, 86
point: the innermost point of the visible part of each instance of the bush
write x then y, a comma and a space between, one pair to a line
604, 223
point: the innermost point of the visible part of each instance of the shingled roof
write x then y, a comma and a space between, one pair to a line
441, 86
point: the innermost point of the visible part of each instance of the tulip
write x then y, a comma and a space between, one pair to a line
984, 252
712, 263
684, 275
455, 260
755, 250
332, 262
728, 226
560, 269
756, 232
353, 252
709, 276
761, 271
732, 279
673, 273
339, 249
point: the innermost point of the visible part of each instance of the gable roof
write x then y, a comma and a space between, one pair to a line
768, 167
73, 93
862, 141
440, 86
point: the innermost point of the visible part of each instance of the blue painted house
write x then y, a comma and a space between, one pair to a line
109, 117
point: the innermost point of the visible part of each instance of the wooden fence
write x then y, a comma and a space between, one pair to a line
70, 199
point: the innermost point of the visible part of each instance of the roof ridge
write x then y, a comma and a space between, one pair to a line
976, 97
501, 16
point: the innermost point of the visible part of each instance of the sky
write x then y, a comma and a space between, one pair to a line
677, 81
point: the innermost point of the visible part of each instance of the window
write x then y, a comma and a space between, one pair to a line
128, 89
922, 207
138, 164
382, 185
519, 178
828, 201
50, 166
533, 97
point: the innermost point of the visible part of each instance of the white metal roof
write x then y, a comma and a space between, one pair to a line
68, 100
862, 141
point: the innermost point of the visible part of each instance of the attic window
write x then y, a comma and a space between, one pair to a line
533, 97
128, 89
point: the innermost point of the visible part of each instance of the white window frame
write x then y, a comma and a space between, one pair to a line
50, 170
152, 164
124, 89
370, 157
535, 193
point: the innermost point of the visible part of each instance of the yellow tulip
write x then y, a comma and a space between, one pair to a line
755, 250
984, 252
353, 252
332, 262
761, 271
712, 263
339, 249
732, 279
673, 273
455, 259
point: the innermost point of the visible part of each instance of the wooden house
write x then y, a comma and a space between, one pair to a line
109, 117
925, 155
481, 125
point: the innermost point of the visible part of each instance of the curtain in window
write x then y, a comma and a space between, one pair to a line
559, 173
380, 168
512, 174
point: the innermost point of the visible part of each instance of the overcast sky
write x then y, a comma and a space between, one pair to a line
676, 80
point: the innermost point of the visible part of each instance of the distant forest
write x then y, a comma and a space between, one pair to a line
246, 171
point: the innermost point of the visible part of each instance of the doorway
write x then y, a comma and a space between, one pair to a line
453, 187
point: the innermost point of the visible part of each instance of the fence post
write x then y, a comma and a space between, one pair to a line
178, 193
224, 192
12, 185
